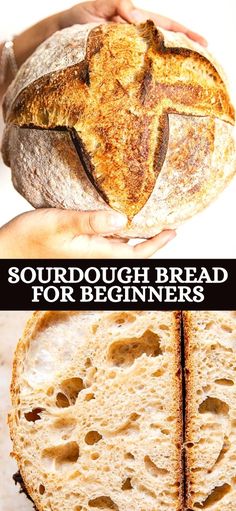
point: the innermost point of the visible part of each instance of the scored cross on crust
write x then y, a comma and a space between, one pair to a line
116, 105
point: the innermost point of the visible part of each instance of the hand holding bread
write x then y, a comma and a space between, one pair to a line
121, 11
24, 44
86, 12
121, 116
56, 233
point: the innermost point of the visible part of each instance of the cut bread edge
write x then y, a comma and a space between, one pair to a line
36, 322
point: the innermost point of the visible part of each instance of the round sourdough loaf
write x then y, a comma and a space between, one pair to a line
120, 116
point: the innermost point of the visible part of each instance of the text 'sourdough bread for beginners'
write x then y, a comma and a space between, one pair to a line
96, 420
133, 118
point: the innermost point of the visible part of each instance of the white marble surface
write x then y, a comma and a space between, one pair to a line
11, 326
211, 233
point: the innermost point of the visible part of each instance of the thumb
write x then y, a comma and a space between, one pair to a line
92, 222
124, 8
110, 9
101, 222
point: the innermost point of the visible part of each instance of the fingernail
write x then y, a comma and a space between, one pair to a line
116, 220
138, 16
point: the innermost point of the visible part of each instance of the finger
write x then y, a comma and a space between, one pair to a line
139, 16
174, 26
74, 223
149, 247
110, 9
142, 250
118, 19
102, 248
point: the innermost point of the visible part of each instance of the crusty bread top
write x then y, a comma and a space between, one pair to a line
116, 102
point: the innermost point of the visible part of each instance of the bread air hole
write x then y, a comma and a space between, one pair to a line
165, 432
70, 389
209, 426
153, 469
214, 405
92, 437
61, 455
95, 455
62, 401
89, 396
41, 489
65, 424
224, 381
124, 352
129, 456
103, 502
122, 317
95, 328
209, 325
147, 491
224, 450
127, 484
164, 327
158, 373
215, 496
50, 391
129, 426
34, 415
226, 328
233, 425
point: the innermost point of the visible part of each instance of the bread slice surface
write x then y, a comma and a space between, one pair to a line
96, 421
210, 363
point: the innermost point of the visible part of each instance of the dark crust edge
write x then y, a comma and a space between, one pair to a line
162, 144
179, 377
86, 162
18, 479
188, 382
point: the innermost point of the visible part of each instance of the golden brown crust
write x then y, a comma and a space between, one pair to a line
188, 376
178, 398
121, 121
209, 338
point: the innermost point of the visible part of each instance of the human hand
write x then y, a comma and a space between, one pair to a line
121, 11
98, 11
56, 233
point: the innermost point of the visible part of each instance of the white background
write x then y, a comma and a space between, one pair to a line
211, 233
